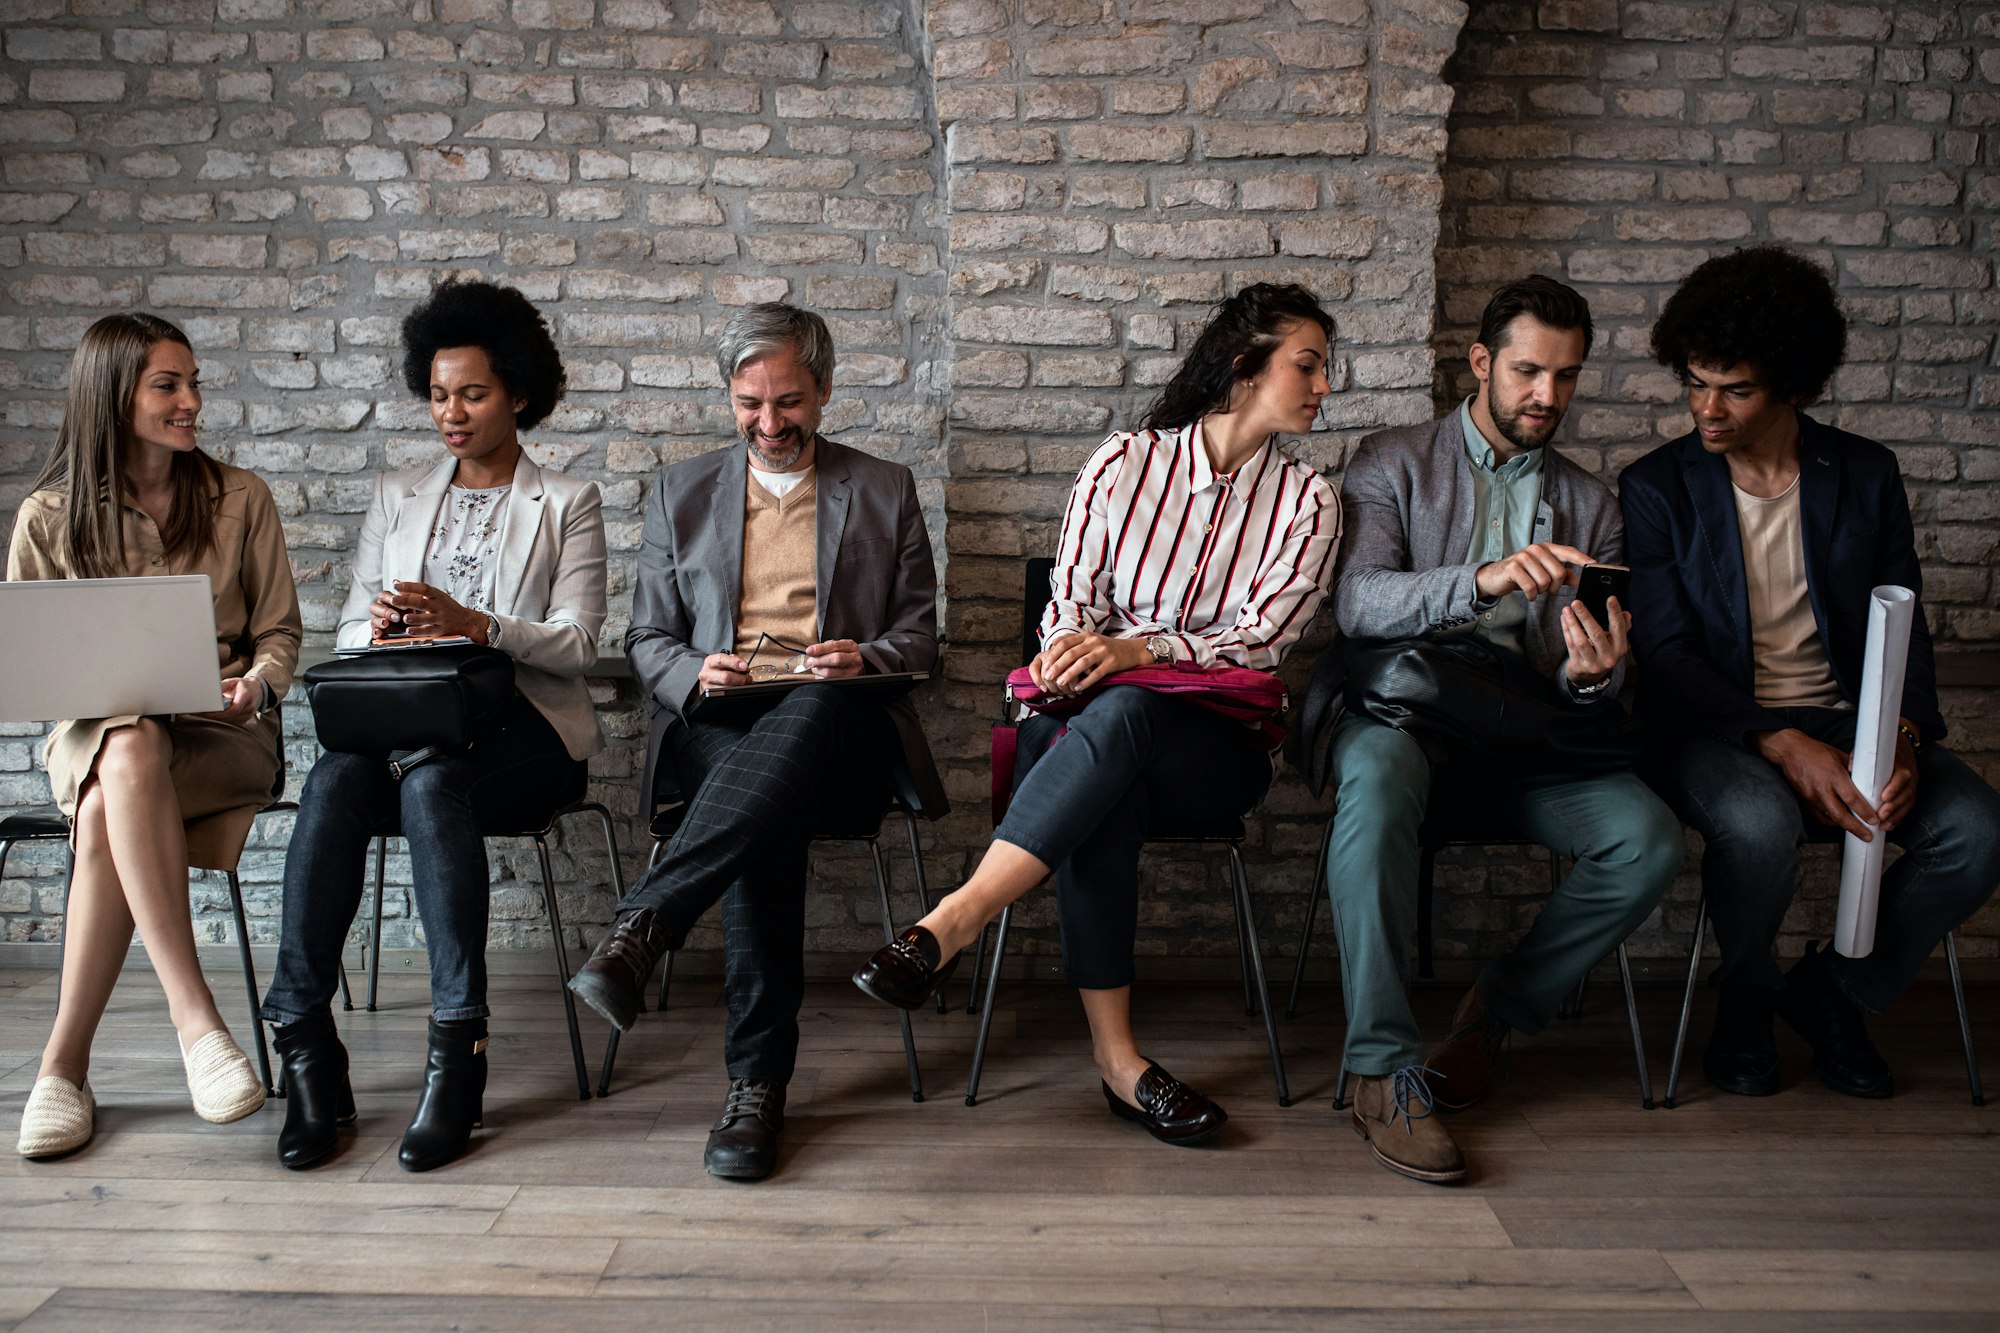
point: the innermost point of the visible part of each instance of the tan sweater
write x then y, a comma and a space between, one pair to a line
780, 558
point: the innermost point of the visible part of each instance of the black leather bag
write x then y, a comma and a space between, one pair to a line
413, 703
1462, 699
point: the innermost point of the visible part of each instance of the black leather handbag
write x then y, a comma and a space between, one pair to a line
1461, 698
412, 703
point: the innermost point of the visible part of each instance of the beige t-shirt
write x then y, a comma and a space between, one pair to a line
1789, 661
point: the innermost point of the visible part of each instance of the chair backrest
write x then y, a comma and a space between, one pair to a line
278, 786
1035, 598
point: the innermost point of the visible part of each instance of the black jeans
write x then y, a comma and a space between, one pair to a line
1132, 764
1753, 826
510, 782
762, 785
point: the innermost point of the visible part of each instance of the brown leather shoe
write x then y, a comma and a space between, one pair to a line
1171, 1111
613, 979
1463, 1067
744, 1143
1395, 1113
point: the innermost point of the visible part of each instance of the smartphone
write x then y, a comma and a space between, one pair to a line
1599, 583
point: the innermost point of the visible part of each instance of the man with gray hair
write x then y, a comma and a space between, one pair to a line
792, 557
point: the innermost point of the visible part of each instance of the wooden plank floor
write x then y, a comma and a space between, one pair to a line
1035, 1209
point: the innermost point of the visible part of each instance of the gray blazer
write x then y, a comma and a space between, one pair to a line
549, 585
876, 583
1406, 501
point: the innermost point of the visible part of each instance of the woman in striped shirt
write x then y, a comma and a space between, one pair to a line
1191, 542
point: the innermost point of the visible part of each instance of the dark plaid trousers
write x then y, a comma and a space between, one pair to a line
761, 786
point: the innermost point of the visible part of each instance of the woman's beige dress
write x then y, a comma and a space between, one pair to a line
223, 772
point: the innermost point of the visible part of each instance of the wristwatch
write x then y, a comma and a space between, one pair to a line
492, 630
1162, 649
1588, 691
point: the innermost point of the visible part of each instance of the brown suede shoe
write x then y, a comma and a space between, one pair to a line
1463, 1067
1395, 1114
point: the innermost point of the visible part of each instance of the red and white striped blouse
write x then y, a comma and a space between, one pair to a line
1230, 568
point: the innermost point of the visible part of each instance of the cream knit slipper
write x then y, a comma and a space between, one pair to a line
59, 1117
220, 1079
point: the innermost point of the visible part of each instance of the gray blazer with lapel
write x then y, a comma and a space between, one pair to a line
1406, 501
549, 585
876, 583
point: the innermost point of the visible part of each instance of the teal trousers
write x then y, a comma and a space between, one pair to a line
1626, 847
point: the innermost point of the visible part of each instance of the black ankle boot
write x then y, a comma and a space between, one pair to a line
454, 1082
318, 1098
1742, 1055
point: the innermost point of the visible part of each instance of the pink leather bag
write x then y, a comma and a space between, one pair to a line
1256, 699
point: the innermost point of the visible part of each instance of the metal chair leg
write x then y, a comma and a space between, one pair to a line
1964, 1021
972, 977
1246, 918
1251, 1003
250, 981
1687, 1003
375, 925
1632, 1017
923, 888
1340, 1102
562, 967
1426, 906
986, 1017
1314, 891
346, 995
889, 937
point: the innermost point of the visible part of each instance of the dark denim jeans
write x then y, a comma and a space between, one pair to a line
510, 782
1132, 763
1753, 826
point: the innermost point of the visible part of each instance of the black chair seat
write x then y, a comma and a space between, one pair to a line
1220, 828
19, 828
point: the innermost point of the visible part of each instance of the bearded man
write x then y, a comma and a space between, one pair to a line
1473, 524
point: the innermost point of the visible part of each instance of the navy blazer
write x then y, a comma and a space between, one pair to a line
1690, 606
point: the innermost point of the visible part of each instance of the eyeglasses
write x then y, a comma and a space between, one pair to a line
794, 665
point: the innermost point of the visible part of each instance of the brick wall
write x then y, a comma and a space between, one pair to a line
1618, 143
286, 177
1013, 212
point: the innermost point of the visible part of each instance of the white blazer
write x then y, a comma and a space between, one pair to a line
549, 584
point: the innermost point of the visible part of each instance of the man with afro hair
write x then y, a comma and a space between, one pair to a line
1754, 541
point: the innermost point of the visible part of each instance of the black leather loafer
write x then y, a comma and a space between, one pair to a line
744, 1143
1742, 1055
901, 973
1836, 1029
1171, 1111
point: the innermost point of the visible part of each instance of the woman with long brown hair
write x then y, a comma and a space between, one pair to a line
1191, 542
128, 493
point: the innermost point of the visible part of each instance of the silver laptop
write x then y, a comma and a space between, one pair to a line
105, 647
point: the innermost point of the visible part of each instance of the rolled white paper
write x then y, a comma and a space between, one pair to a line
1890, 611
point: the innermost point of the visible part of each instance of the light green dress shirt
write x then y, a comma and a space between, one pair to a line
1506, 508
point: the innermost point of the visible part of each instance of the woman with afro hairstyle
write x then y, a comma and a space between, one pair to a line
1192, 542
485, 546
127, 492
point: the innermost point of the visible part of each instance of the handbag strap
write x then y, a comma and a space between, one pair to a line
1006, 739
402, 763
